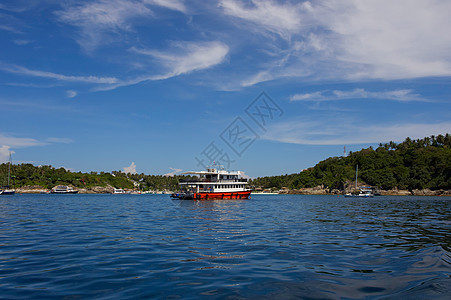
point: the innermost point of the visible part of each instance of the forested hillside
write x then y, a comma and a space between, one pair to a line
412, 164
48, 177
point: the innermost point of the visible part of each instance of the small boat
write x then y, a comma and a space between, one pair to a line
364, 193
119, 191
62, 189
214, 184
6, 190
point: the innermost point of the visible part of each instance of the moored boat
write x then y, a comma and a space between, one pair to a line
119, 191
7, 190
363, 193
62, 189
214, 184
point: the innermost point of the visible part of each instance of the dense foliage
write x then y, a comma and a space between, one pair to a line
48, 177
412, 164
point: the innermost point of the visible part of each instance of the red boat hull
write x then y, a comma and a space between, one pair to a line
222, 196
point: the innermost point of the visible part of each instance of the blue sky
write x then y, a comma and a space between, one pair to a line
155, 86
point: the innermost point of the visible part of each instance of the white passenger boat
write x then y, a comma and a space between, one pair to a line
213, 184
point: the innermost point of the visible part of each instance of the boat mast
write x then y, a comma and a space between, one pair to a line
356, 173
9, 167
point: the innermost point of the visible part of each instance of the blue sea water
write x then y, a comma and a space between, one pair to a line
267, 247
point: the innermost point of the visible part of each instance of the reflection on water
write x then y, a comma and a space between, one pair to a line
277, 246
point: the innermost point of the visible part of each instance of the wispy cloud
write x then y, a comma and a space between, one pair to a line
21, 42
10, 23
282, 19
174, 171
103, 21
44, 74
187, 57
350, 40
177, 5
334, 132
402, 95
19, 142
390, 40
59, 140
99, 21
183, 58
10, 142
257, 78
16, 142
71, 93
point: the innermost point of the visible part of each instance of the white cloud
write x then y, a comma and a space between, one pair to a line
103, 21
16, 142
188, 56
184, 58
174, 171
59, 140
342, 132
21, 42
170, 4
130, 169
403, 95
43, 74
97, 20
71, 93
315, 96
349, 39
244, 175
392, 39
8, 142
282, 19
4, 153
260, 77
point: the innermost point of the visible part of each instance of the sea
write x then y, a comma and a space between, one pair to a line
266, 247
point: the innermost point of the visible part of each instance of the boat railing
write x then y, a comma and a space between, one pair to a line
234, 180
189, 180
212, 180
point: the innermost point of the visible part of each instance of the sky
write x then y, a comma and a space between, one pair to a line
266, 87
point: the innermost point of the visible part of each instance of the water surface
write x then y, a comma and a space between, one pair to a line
267, 247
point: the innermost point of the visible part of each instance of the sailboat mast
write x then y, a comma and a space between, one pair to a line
9, 167
356, 173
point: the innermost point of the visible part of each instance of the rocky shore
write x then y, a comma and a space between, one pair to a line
319, 190
36, 189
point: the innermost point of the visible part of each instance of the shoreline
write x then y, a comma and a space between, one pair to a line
305, 191
393, 192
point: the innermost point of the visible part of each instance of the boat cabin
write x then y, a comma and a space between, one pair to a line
215, 181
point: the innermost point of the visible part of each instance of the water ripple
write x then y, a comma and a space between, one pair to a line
287, 246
